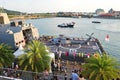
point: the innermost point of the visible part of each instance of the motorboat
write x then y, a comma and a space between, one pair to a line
66, 25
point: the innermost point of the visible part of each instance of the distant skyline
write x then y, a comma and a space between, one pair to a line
43, 6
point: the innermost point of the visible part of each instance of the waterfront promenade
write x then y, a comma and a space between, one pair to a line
58, 74
67, 64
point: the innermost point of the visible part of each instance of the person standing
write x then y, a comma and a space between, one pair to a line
52, 66
81, 77
60, 53
74, 75
46, 74
65, 76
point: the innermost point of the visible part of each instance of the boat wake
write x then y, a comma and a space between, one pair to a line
110, 27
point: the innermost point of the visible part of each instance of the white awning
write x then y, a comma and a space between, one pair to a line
19, 52
51, 55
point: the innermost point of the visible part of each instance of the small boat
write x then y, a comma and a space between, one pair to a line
66, 25
96, 22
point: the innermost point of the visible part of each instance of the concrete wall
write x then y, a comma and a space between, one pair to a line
4, 18
35, 33
12, 39
7, 38
19, 39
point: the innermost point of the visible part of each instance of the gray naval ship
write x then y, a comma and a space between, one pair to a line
73, 48
16, 33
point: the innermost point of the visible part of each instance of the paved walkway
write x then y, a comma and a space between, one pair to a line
67, 68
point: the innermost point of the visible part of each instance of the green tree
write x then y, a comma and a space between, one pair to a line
6, 55
36, 57
101, 68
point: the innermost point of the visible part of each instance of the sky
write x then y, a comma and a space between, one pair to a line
44, 6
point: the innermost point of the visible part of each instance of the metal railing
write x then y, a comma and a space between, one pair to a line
12, 74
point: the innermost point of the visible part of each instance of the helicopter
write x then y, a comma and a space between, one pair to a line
84, 42
87, 40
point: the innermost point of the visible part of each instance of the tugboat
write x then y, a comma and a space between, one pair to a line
66, 25
96, 22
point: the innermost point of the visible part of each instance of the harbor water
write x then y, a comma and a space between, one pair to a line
83, 26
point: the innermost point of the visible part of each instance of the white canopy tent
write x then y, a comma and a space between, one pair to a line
51, 55
19, 52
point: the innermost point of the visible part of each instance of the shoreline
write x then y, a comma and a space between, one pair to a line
24, 17
16, 17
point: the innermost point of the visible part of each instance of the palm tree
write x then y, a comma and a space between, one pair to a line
36, 58
6, 56
101, 68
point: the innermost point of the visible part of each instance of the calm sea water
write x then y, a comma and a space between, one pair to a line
83, 26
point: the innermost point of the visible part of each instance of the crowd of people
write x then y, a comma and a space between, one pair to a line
11, 71
70, 70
